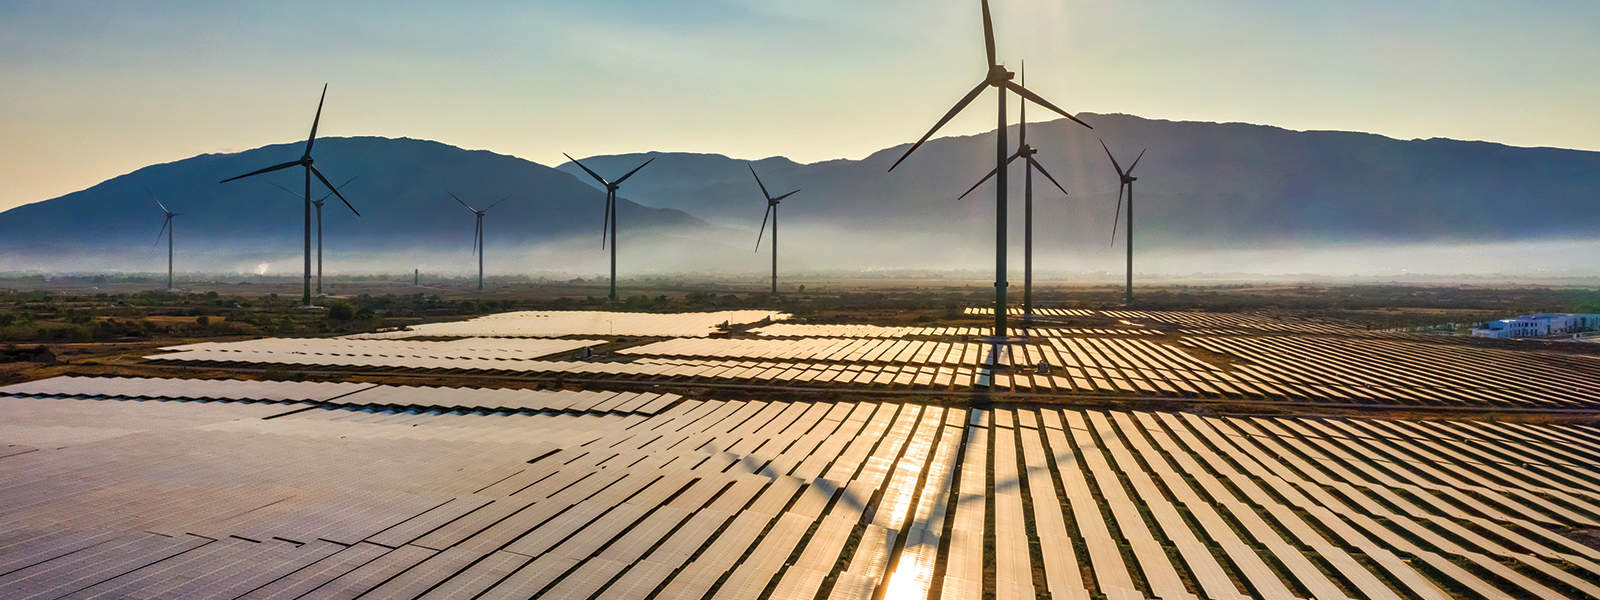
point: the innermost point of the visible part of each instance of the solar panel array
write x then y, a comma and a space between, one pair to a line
1316, 369
184, 389
358, 395
1039, 311
1199, 322
556, 323
475, 348
1410, 372
879, 331
756, 499
464, 354
501, 400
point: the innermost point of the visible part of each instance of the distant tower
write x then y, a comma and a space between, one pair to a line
416, 278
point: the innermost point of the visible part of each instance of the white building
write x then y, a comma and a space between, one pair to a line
1538, 326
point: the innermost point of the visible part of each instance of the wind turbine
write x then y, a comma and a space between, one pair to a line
166, 227
611, 212
1127, 180
477, 232
318, 203
772, 211
306, 161
1025, 152
1000, 79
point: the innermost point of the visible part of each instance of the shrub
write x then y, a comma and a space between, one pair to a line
341, 312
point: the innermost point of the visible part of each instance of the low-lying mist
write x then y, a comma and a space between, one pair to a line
807, 250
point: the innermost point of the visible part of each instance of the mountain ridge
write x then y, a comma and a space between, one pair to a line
1203, 185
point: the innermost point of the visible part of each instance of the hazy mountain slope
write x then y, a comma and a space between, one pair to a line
401, 193
1201, 184
1203, 187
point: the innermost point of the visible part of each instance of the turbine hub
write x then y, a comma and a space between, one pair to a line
998, 75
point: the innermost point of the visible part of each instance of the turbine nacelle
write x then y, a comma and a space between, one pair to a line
998, 76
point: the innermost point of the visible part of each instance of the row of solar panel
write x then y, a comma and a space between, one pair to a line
732, 499
578, 322
347, 394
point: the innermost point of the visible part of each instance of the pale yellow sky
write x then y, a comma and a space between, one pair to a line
94, 91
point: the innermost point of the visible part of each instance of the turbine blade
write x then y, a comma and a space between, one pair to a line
1136, 161
972, 95
986, 178
758, 182
285, 190
1035, 164
496, 203
988, 34
164, 224
477, 237
605, 224
635, 170
266, 170
1116, 217
158, 201
463, 203
980, 182
1022, 109
780, 198
328, 195
1036, 99
763, 228
325, 182
1114, 164
312, 139
593, 174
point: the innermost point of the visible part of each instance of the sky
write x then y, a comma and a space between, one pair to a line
93, 90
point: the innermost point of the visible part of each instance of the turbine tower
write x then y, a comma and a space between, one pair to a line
772, 211
611, 212
306, 161
477, 231
1026, 153
318, 204
1000, 79
166, 227
1127, 179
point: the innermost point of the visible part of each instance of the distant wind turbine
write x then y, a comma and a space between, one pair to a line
318, 204
772, 211
306, 161
611, 212
1000, 79
166, 227
477, 231
1127, 179
1026, 153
